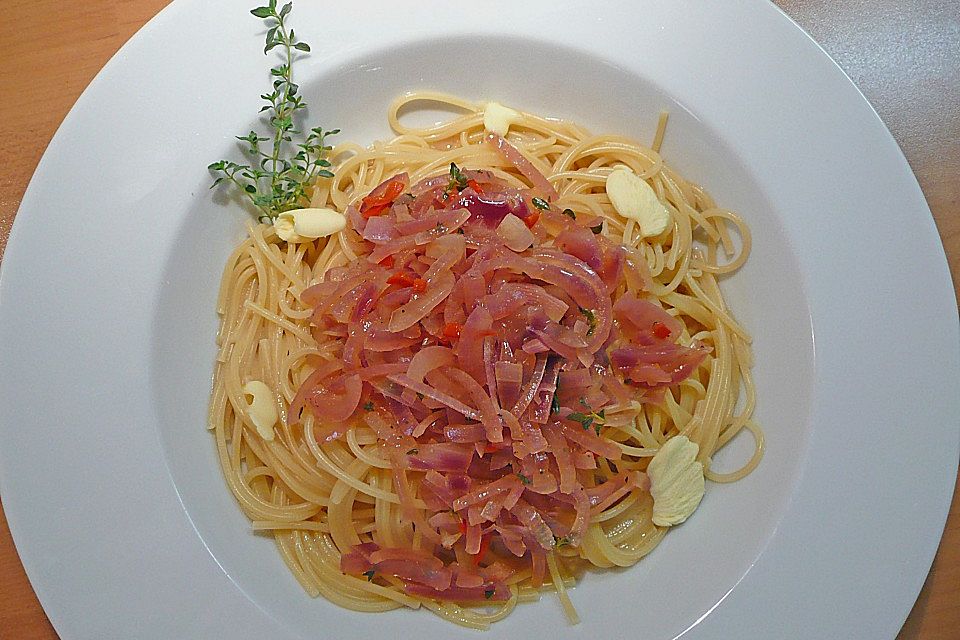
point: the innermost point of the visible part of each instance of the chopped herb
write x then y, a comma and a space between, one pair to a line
555, 403
541, 204
369, 575
591, 318
597, 229
458, 181
368, 406
569, 212
588, 420
460, 231
488, 594
413, 452
282, 172
583, 402
561, 541
419, 396
584, 419
440, 228
524, 479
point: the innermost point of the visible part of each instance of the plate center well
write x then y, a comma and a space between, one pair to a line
704, 558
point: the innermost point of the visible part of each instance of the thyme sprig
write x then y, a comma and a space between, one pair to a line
284, 168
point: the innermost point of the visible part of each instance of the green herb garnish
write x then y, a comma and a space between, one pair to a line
279, 176
555, 403
562, 541
591, 318
458, 181
488, 594
368, 406
413, 452
584, 419
540, 203
600, 417
587, 420
369, 575
524, 479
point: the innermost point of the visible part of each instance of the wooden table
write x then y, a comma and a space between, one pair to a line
904, 55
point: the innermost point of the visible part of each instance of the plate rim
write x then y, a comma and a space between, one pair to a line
156, 23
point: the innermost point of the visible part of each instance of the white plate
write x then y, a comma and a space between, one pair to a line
109, 478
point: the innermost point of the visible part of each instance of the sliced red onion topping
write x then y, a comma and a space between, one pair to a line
482, 345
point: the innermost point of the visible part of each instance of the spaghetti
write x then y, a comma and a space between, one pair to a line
387, 487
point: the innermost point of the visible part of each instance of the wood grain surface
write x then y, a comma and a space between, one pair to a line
904, 55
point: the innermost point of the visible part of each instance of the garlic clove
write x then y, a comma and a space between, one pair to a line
284, 227
676, 481
633, 198
498, 118
304, 225
261, 407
